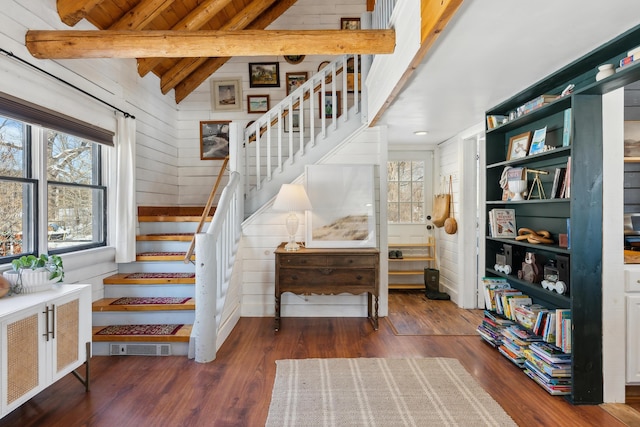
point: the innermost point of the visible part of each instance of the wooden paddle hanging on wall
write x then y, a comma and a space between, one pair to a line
450, 224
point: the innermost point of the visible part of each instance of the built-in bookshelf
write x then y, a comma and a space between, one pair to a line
568, 106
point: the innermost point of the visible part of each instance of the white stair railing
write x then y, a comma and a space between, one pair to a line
382, 14
216, 250
302, 120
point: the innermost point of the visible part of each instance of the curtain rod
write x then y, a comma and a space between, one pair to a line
10, 54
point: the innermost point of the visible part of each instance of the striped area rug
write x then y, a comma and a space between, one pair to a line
380, 392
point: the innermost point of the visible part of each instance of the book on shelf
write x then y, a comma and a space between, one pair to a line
556, 390
566, 128
527, 314
537, 141
550, 353
502, 223
499, 300
516, 174
549, 370
563, 330
536, 103
565, 191
513, 301
634, 51
558, 179
493, 121
491, 284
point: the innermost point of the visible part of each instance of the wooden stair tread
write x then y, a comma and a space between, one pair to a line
158, 237
181, 336
162, 256
104, 304
123, 279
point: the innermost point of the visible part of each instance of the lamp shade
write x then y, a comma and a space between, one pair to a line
292, 197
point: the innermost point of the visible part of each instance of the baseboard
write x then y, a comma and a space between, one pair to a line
632, 394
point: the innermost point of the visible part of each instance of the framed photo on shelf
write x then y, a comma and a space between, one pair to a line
214, 140
295, 80
227, 94
519, 146
257, 103
264, 74
325, 109
343, 200
537, 141
631, 138
349, 23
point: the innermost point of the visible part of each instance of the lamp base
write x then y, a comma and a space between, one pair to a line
292, 246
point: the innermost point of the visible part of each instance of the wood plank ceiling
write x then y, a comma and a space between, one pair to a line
124, 25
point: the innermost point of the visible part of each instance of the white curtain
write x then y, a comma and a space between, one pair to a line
125, 233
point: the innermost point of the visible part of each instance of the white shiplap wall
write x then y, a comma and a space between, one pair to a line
264, 231
195, 176
116, 81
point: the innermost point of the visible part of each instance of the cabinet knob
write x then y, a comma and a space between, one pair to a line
326, 271
359, 277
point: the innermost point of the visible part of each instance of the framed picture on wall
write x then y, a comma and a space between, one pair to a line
214, 140
257, 103
343, 200
264, 74
349, 23
226, 94
325, 106
295, 80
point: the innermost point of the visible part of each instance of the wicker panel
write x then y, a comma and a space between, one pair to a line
67, 334
22, 352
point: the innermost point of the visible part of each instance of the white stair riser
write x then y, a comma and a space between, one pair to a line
120, 291
157, 267
162, 246
102, 348
169, 227
106, 318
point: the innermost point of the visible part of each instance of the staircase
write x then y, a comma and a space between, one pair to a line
159, 275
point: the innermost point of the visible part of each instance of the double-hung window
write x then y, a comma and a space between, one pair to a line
52, 196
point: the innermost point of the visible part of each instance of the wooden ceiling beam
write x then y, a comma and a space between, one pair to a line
141, 15
72, 11
195, 20
186, 66
46, 44
210, 66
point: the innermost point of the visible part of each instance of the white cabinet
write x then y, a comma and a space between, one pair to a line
43, 337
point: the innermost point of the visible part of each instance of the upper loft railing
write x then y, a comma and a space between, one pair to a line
303, 120
382, 12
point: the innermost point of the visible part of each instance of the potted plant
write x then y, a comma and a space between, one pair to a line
32, 274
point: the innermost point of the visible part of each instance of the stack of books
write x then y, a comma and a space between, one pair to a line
516, 339
632, 56
536, 103
491, 328
548, 366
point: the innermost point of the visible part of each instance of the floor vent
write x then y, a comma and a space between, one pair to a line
140, 350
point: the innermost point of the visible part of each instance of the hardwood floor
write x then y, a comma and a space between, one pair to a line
235, 389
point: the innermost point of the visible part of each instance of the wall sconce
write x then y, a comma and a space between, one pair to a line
292, 198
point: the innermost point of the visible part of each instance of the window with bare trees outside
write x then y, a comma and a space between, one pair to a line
406, 191
51, 191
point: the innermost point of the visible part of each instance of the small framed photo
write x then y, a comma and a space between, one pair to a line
214, 140
519, 146
264, 74
257, 103
295, 80
295, 121
349, 23
326, 108
227, 94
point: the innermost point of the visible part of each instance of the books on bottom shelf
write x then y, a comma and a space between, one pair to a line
491, 328
548, 366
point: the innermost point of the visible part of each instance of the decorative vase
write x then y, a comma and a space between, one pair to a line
604, 71
517, 187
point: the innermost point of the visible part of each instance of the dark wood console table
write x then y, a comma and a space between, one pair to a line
328, 272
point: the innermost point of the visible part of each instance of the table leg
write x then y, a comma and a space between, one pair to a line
277, 319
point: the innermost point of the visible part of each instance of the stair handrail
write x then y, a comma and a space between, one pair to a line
205, 212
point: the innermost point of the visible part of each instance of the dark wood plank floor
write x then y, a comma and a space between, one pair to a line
235, 389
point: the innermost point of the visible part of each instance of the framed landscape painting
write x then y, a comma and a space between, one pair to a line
257, 103
214, 140
343, 201
326, 108
264, 74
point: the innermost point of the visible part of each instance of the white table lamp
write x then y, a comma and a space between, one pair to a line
292, 198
